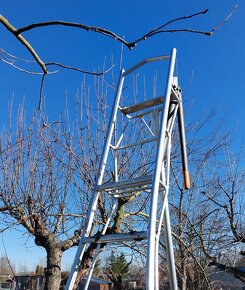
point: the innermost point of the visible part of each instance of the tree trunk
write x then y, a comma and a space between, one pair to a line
86, 263
118, 284
53, 270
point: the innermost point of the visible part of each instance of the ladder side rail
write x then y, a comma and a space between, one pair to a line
150, 265
165, 178
93, 203
116, 154
110, 130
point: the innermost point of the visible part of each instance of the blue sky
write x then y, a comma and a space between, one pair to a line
211, 69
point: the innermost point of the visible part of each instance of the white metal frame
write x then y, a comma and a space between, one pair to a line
158, 183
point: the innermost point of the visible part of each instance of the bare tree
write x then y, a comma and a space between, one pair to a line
44, 185
48, 171
208, 225
224, 191
48, 168
5, 268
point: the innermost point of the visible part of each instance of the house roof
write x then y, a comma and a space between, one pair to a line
242, 269
99, 280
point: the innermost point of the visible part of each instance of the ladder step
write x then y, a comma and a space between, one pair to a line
125, 184
112, 238
142, 106
141, 142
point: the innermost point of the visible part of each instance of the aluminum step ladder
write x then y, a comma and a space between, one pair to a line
162, 111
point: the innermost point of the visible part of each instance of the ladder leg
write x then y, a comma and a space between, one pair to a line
166, 216
183, 146
169, 249
151, 252
160, 222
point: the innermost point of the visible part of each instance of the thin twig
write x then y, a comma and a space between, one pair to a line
159, 29
78, 69
19, 68
41, 93
14, 56
226, 18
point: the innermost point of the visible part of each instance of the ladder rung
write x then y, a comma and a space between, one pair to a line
135, 144
142, 106
142, 114
123, 184
130, 192
112, 238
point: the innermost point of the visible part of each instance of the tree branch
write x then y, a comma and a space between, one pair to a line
159, 29
19, 68
226, 18
18, 33
67, 244
14, 31
72, 24
78, 69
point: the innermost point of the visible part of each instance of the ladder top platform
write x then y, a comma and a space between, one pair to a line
138, 181
142, 106
150, 103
